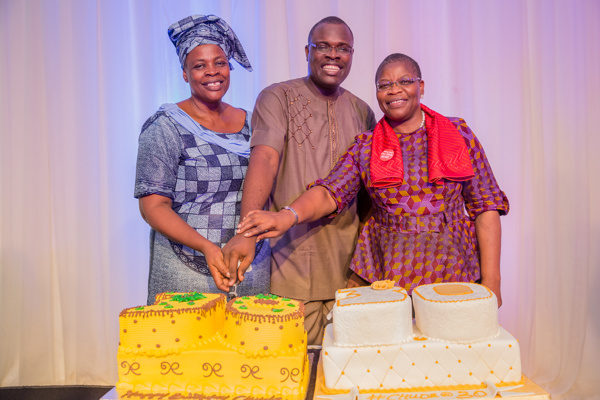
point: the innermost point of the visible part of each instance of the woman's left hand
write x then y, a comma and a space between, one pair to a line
266, 224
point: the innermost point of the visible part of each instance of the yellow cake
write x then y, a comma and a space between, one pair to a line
193, 343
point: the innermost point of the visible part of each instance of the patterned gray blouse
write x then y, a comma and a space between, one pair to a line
184, 161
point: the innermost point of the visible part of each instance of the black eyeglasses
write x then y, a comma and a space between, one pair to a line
325, 48
387, 85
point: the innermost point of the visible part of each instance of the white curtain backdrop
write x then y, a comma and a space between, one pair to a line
78, 79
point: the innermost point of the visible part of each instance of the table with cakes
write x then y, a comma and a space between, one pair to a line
443, 342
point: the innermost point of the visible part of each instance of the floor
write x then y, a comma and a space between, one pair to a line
53, 392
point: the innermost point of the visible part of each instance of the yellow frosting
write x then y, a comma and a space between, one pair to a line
483, 292
202, 351
264, 325
453, 289
175, 323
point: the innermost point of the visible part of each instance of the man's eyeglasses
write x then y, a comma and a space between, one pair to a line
325, 48
387, 85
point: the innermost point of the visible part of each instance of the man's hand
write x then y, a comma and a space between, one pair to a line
239, 254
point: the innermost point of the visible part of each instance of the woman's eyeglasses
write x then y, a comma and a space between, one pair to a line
387, 85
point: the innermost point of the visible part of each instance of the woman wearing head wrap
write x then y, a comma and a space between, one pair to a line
436, 203
192, 159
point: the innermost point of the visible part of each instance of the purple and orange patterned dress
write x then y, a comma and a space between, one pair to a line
419, 232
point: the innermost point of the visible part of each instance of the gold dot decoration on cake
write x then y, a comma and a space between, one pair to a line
267, 323
176, 321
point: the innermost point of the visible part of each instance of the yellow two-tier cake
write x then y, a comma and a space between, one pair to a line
194, 343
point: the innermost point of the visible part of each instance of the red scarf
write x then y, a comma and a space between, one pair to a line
447, 153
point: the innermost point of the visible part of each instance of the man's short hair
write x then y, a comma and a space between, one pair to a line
328, 20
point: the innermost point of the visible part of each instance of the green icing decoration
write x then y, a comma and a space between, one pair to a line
238, 302
285, 299
184, 298
191, 303
277, 309
243, 308
139, 308
246, 298
291, 305
168, 306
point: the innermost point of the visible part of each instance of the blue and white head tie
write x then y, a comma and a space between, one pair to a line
196, 30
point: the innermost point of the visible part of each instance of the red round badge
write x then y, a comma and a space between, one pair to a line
386, 155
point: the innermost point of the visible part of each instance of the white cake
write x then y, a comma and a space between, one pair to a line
358, 316
457, 312
419, 360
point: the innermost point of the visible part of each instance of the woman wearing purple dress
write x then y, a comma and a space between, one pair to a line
436, 203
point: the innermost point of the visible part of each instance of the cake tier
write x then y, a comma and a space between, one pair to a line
458, 312
177, 322
367, 316
264, 325
421, 362
214, 370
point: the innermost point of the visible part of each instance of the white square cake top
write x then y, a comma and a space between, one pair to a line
367, 295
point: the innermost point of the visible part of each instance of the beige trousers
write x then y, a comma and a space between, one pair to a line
315, 319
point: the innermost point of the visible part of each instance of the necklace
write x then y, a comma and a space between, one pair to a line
422, 119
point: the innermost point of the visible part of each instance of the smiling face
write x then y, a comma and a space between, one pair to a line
206, 70
401, 104
329, 70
